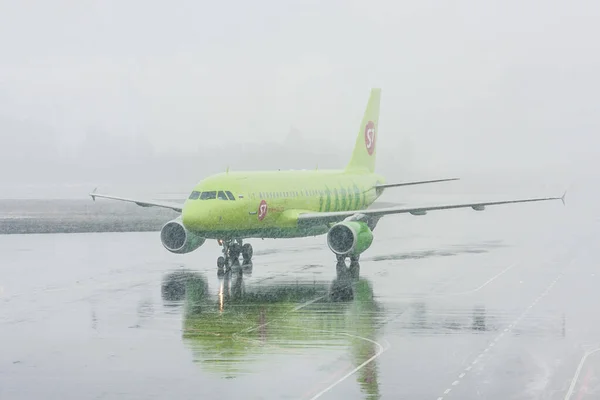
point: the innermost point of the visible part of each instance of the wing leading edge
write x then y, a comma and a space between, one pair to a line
336, 216
141, 203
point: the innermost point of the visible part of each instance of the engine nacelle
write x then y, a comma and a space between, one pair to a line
177, 239
349, 238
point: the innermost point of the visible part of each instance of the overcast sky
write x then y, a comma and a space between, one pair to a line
466, 84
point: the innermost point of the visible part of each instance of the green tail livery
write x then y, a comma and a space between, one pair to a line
233, 206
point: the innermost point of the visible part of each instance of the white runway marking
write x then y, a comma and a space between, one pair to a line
514, 323
477, 289
578, 371
510, 327
355, 370
492, 279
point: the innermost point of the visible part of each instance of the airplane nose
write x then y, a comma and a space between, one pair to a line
192, 216
198, 216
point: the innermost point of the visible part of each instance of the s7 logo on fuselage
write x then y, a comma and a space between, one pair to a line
262, 210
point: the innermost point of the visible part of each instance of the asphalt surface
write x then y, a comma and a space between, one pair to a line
452, 305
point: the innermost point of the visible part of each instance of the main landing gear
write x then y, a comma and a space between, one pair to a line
232, 249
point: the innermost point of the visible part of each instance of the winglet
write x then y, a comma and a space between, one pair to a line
92, 194
563, 197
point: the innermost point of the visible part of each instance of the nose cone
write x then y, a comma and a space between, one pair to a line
196, 215
210, 215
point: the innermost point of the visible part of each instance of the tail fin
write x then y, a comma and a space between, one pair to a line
363, 157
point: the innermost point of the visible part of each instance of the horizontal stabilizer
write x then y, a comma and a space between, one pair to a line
389, 185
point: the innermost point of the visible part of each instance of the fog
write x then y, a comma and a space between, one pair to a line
163, 94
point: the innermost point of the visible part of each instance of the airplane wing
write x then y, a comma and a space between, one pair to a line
384, 204
389, 185
141, 203
336, 216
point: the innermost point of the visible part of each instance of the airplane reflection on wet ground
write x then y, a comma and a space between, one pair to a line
243, 321
234, 328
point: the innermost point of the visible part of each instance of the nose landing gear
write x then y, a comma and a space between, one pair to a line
232, 248
343, 269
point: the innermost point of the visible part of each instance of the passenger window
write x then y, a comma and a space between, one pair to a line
208, 195
194, 195
221, 195
230, 195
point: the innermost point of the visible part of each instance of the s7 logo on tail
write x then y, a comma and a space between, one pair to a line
370, 137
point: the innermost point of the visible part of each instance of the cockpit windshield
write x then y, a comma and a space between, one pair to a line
208, 195
212, 195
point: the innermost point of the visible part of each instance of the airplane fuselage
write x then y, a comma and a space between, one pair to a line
266, 204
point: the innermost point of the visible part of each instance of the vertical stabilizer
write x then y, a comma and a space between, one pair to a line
365, 149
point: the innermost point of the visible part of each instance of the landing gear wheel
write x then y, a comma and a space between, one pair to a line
221, 262
234, 251
247, 252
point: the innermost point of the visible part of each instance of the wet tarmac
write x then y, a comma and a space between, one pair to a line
458, 305
25, 216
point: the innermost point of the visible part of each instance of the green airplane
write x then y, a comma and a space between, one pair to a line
233, 206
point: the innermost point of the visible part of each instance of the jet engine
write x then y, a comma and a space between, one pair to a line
349, 238
177, 239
